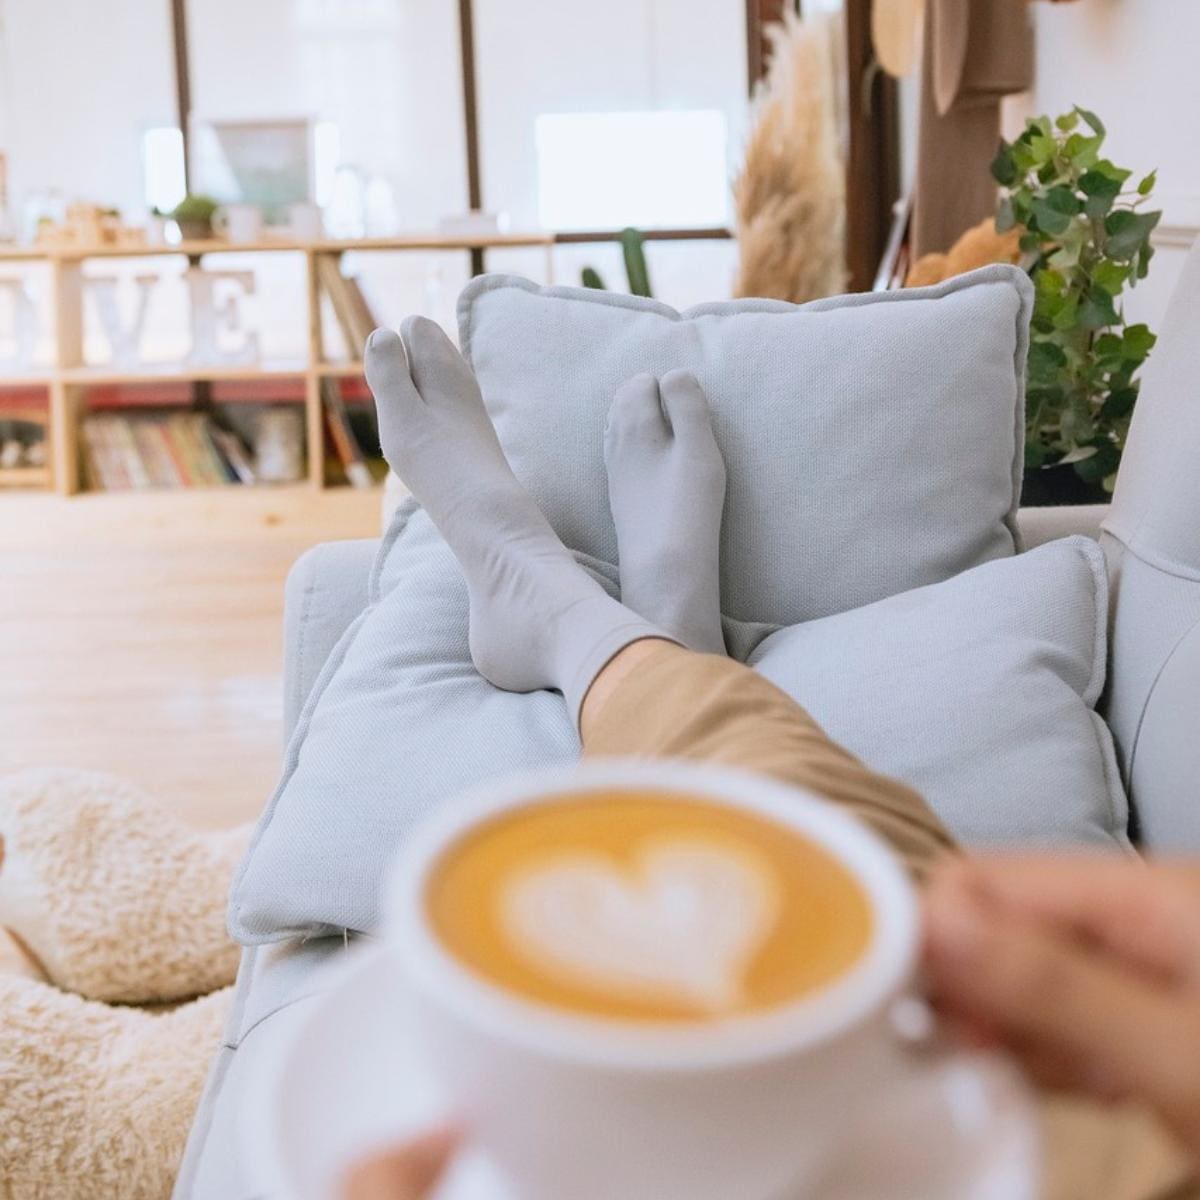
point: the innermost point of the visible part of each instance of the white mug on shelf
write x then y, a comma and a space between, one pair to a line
304, 222
240, 223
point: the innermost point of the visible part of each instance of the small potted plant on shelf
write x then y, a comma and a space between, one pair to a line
1085, 239
194, 216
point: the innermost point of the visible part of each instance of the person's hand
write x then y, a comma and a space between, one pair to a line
409, 1172
1087, 968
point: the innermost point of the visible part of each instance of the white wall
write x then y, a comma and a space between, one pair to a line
1133, 62
79, 83
81, 80
566, 56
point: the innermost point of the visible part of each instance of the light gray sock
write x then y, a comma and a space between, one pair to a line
666, 489
538, 619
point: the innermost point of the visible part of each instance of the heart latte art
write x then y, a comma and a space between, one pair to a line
685, 921
647, 906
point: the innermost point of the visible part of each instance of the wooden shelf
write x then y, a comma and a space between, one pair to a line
25, 477
181, 372
33, 379
196, 248
67, 380
338, 370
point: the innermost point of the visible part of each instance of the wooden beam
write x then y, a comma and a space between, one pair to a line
183, 82
760, 14
873, 167
466, 38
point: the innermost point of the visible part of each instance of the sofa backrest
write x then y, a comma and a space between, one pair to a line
1152, 540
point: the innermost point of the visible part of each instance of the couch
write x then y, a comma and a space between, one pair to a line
1151, 540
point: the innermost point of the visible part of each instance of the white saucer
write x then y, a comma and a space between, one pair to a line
349, 1078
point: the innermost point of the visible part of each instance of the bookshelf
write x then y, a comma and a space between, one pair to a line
69, 379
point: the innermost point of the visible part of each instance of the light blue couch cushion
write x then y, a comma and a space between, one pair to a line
874, 442
979, 691
873, 446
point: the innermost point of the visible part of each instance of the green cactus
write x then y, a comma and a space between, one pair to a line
636, 270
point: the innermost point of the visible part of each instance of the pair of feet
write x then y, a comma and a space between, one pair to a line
538, 619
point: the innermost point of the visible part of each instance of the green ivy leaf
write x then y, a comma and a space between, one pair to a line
1045, 361
1118, 403
1067, 121
1097, 311
1067, 317
1096, 466
1049, 173
1093, 122
1081, 150
1128, 232
1042, 148
1145, 254
1107, 345
1137, 341
1147, 184
1004, 166
1035, 454
1111, 171
1049, 282
1054, 210
1110, 276
1022, 156
1099, 183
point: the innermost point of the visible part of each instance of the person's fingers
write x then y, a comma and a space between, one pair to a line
1147, 915
1074, 1018
408, 1172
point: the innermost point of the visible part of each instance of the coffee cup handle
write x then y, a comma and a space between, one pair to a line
975, 1104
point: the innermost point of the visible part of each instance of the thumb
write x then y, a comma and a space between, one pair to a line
1066, 1010
409, 1172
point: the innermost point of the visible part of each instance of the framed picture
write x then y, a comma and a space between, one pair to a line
267, 163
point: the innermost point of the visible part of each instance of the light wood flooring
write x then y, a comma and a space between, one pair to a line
141, 635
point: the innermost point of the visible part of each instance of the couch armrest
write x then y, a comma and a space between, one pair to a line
1038, 525
325, 590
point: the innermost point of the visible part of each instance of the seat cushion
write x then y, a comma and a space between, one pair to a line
978, 690
979, 693
275, 986
874, 442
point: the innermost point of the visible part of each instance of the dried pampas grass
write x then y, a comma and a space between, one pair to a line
791, 193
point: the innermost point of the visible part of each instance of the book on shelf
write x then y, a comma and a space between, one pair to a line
364, 319
345, 445
140, 451
350, 307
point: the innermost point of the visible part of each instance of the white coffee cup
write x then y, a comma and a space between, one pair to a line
241, 223
305, 223
754, 1107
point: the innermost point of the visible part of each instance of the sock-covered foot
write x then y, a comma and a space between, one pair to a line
538, 619
109, 893
666, 488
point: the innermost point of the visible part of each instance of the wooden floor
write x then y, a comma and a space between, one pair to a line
140, 635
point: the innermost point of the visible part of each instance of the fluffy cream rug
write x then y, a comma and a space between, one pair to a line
121, 905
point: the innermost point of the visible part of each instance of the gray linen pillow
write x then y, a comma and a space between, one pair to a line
978, 690
874, 442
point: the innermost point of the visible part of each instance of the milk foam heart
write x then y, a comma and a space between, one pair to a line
684, 920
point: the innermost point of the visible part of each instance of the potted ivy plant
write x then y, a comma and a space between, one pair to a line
1085, 238
194, 216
